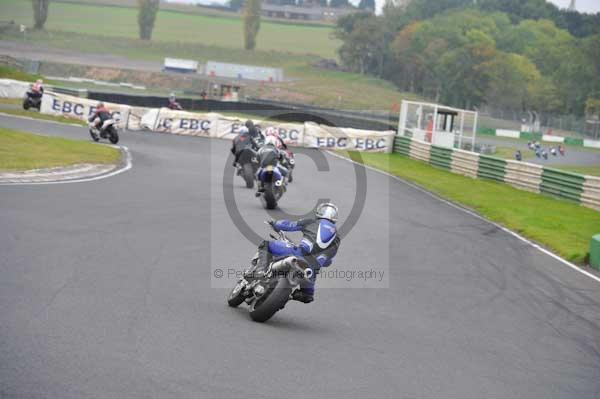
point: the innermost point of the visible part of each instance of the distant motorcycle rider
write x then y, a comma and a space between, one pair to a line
101, 115
253, 130
269, 155
271, 131
318, 247
37, 90
242, 141
173, 104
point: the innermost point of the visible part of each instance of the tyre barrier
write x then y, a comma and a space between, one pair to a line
584, 190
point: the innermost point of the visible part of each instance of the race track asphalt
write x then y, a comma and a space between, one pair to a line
106, 291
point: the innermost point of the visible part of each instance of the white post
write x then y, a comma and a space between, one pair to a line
474, 130
435, 121
461, 131
402, 120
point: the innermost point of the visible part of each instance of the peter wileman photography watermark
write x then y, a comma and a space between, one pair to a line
319, 176
376, 275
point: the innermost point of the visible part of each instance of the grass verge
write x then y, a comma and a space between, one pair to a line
584, 170
37, 115
25, 151
562, 226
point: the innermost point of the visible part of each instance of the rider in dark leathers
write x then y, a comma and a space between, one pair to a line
318, 246
101, 115
241, 142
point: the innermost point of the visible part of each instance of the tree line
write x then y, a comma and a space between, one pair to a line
469, 55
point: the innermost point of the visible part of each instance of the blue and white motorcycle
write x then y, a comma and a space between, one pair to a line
268, 292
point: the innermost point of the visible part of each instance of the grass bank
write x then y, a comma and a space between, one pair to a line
563, 227
24, 151
37, 115
171, 26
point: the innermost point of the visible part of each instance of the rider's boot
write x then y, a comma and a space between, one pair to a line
259, 189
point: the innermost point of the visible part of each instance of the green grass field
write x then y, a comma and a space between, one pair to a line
584, 170
24, 151
562, 226
171, 26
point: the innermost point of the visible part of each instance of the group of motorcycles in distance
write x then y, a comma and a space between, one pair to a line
265, 159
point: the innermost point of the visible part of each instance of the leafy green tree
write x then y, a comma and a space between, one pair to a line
339, 3
363, 48
40, 13
592, 107
236, 5
367, 5
147, 10
251, 23
514, 83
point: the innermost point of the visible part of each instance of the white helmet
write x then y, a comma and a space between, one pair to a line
327, 211
271, 140
244, 130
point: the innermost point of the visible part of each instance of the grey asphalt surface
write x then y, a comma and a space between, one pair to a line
573, 156
106, 292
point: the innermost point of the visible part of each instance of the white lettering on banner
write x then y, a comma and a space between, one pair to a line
185, 123
331, 138
80, 108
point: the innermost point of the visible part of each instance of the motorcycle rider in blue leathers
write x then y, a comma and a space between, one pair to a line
318, 247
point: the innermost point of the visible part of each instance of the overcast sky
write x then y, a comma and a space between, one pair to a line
582, 5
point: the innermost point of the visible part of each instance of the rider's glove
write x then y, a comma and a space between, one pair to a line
273, 224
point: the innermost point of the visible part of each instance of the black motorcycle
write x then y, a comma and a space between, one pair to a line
31, 101
267, 292
108, 130
247, 165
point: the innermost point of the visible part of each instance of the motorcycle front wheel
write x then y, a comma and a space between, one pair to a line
94, 136
235, 297
26, 104
113, 136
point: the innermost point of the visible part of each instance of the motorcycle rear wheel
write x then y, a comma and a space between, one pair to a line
269, 197
265, 307
113, 136
248, 174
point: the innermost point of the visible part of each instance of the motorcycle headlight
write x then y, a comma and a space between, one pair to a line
292, 161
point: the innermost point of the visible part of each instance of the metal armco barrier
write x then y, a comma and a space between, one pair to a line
562, 184
296, 113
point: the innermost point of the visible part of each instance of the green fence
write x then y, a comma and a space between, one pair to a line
402, 145
573, 141
441, 157
491, 168
486, 131
531, 136
562, 184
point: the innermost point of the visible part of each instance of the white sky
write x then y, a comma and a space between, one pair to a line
591, 6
